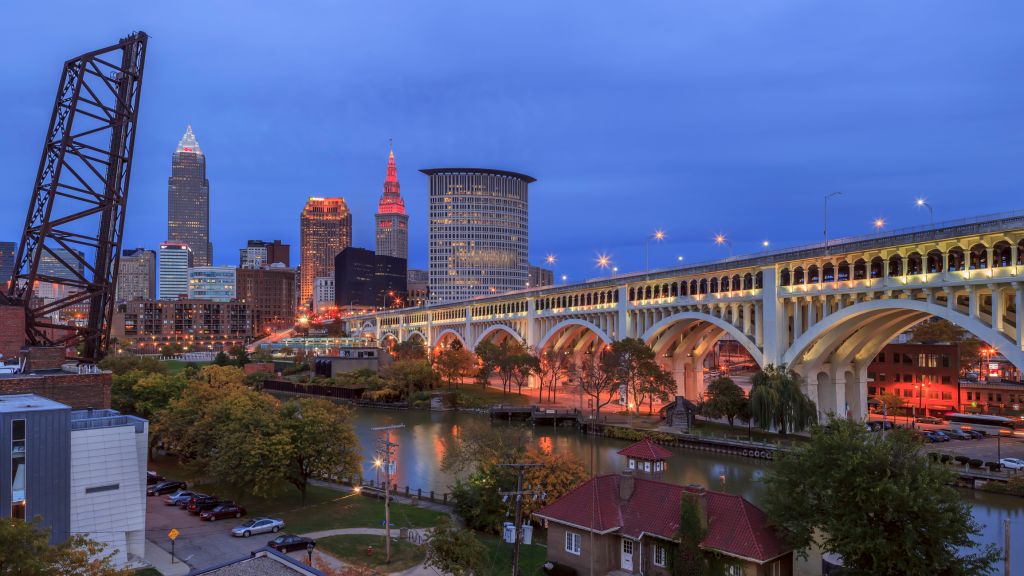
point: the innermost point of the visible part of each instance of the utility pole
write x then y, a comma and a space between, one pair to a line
385, 445
518, 495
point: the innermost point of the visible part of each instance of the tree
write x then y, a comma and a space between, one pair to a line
524, 364
239, 356
409, 350
510, 360
724, 398
456, 551
454, 364
171, 349
411, 376
878, 501
221, 375
480, 443
551, 365
777, 401
25, 551
595, 379
477, 500
636, 368
122, 364
221, 359
558, 474
891, 402
687, 559
154, 392
323, 441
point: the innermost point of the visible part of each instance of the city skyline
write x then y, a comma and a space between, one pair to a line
687, 108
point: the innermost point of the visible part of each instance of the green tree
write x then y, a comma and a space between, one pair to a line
323, 441
25, 551
154, 392
510, 360
636, 368
481, 443
477, 500
687, 558
524, 364
596, 378
410, 376
124, 363
240, 356
456, 551
409, 350
454, 364
724, 398
171, 349
876, 500
221, 359
777, 401
891, 402
558, 474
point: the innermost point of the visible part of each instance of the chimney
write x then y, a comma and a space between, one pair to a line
698, 495
626, 484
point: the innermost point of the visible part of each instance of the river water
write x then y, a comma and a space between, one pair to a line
421, 447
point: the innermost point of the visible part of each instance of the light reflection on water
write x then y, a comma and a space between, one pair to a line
421, 447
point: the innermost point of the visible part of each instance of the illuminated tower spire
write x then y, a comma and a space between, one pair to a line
392, 222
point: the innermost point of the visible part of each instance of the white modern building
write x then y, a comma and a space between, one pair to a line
479, 232
323, 293
175, 260
217, 283
108, 481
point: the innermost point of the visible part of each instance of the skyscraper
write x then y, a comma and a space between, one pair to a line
392, 221
216, 283
136, 276
479, 232
188, 200
7, 253
175, 260
261, 253
325, 229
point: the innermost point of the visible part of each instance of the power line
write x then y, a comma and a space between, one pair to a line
518, 495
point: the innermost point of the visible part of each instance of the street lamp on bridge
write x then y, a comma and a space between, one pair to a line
879, 224
931, 213
721, 240
658, 235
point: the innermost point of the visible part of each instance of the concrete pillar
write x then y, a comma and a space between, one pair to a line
972, 302
997, 308
748, 310
759, 326
772, 317
622, 328
1013, 255
951, 299
679, 373
812, 311
838, 375
991, 254
467, 334
798, 318
532, 330
1019, 304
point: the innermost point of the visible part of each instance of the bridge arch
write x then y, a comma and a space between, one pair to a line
417, 335
490, 330
449, 333
572, 323
683, 317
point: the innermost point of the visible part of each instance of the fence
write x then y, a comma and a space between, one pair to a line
372, 487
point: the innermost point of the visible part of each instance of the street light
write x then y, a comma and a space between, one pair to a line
309, 550
827, 196
550, 259
879, 224
720, 240
931, 213
564, 278
658, 235
603, 261
764, 244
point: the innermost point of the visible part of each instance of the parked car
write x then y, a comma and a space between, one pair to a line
152, 478
257, 526
976, 434
927, 420
178, 497
956, 434
222, 511
183, 503
1012, 463
935, 436
166, 487
290, 543
199, 505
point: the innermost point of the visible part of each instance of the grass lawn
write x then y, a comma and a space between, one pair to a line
472, 395
499, 555
351, 549
324, 508
740, 432
175, 366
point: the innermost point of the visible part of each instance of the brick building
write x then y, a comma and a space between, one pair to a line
270, 294
148, 325
925, 376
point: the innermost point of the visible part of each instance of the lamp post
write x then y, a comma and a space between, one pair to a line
765, 244
564, 278
879, 223
827, 196
658, 235
931, 213
604, 261
721, 240
309, 551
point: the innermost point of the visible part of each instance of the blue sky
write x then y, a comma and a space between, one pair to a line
696, 117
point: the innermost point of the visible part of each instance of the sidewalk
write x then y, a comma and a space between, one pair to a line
161, 560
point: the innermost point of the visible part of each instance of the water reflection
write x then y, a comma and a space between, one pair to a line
421, 448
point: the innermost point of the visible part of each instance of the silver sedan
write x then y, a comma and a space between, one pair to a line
257, 526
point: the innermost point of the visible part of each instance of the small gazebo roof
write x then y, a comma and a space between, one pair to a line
646, 449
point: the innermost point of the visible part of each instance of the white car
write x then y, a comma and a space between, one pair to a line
1012, 463
257, 526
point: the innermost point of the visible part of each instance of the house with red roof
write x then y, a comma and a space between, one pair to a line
646, 456
629, 523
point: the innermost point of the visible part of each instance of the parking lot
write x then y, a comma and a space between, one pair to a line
988, 449
200, 543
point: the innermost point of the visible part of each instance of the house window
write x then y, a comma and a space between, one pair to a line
775, 569
632, 464
647, 466
659, 555
572, 543
733, 570
659, 466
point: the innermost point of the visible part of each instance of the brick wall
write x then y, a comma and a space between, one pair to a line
12, 330
76, 390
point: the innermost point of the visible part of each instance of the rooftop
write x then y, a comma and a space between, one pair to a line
14, 403
105, 418
261, 562
646, 449
433, 171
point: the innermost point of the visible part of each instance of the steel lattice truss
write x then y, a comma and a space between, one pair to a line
76, 215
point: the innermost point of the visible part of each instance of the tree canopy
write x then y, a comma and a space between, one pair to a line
776, 401
725, 398
456, 551
876, 500
635, 366
25, 551
558, 474
596, 378
454, 364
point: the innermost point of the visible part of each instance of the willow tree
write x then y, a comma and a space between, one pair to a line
776, 401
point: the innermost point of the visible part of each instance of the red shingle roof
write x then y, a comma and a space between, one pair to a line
735, 526
646, 450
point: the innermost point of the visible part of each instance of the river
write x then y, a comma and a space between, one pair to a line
421, 447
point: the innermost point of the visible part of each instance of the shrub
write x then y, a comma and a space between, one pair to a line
962, 459
975, 463
945, 458
993, 466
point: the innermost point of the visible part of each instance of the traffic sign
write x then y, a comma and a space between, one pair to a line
173, 534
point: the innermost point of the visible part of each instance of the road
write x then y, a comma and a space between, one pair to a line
988, 449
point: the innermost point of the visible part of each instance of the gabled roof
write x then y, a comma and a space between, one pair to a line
735, 527
260, 562
646, 449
